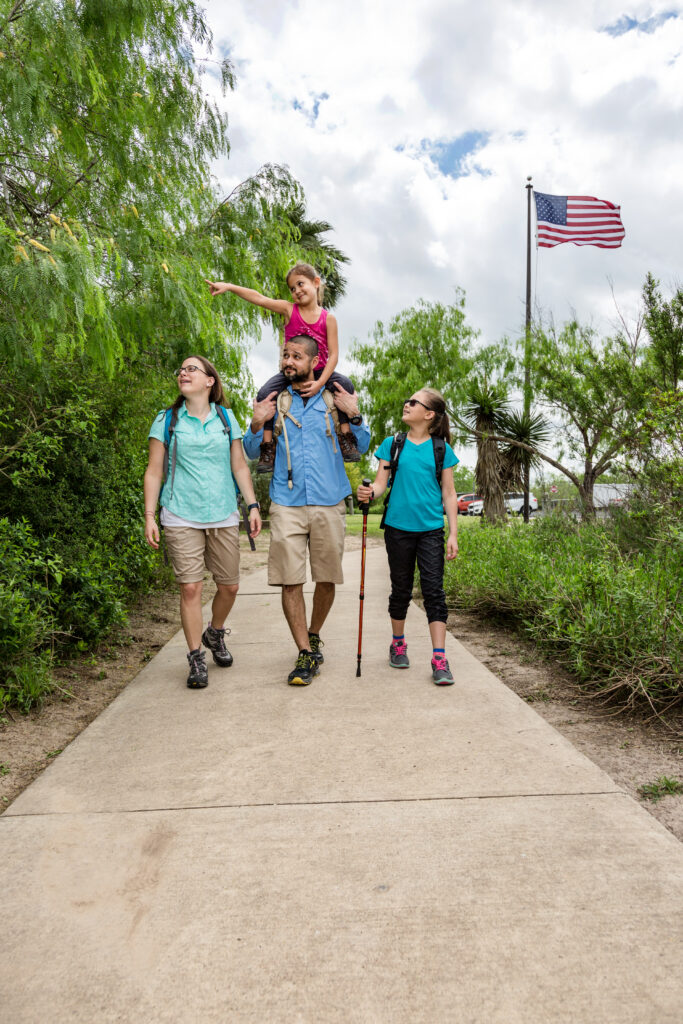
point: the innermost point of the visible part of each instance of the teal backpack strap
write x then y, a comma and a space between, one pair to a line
170, 420
396, 449
223, 413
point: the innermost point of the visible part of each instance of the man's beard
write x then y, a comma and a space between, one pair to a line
294, 377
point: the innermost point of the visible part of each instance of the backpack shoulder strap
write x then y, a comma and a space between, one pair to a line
223, 415
394, 455
439, 456
328, 399
170, 420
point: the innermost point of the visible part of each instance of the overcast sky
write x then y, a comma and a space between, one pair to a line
413, 128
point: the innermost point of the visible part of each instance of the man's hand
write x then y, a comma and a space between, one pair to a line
346, 401
263, 411
217, 287
451, 547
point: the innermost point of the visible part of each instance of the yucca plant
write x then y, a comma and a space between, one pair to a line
527, 428
485, 411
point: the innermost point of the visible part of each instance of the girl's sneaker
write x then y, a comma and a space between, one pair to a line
441, 673
398, 657
266, 460
348, 446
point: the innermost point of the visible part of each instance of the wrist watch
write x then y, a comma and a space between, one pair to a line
356, 420
254, 504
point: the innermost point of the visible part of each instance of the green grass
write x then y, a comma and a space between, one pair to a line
661, 787
611, 616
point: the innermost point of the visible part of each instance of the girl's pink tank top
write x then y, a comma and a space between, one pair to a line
318, 331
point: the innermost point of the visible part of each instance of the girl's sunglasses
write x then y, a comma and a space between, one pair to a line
412, 402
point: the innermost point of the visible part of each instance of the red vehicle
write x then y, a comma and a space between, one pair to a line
464, 502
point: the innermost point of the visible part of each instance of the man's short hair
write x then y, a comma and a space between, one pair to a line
308, 344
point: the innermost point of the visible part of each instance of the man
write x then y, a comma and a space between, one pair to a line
307, 505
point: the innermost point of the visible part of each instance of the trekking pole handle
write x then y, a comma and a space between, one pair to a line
364, 506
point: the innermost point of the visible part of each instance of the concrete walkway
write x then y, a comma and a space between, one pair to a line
361, 850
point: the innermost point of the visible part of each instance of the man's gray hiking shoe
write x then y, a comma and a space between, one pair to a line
315, 643
199, 674
398, 654
214, 639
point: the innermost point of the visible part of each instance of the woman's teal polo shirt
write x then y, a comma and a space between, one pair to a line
203, 489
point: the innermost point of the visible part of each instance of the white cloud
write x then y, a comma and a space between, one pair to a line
582, 109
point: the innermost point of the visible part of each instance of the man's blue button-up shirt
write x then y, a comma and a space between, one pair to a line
318, 475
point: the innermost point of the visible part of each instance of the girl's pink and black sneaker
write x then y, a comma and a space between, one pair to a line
398, 654
441, 673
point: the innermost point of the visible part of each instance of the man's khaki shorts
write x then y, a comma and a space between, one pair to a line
293, 529
190, 550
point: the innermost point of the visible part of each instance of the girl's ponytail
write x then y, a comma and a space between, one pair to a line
440, 426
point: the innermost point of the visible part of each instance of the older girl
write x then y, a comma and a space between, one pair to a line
414, 529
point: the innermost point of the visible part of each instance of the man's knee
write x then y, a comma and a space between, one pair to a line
228, 589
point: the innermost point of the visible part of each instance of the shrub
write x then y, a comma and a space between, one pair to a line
612, 618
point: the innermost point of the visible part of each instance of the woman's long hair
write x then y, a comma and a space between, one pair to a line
440, 426
216, 393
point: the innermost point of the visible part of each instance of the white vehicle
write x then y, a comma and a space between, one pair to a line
514, 503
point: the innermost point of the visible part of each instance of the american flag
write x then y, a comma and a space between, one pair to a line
583, 220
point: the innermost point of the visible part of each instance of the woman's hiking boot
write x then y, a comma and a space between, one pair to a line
441, 673
305, 669
398, 654
348, 446
214, 639
315, 643
199, 674
266, 460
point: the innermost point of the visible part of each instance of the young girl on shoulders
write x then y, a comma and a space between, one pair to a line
303, 315
414, 529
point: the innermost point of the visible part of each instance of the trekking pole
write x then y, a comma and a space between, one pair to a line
365, 508
247, 527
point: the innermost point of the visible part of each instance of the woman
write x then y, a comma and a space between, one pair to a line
199, 505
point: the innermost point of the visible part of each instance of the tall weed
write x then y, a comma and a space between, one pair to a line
611, 616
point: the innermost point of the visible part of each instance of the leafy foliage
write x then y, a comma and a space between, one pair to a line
611, 616
429, 344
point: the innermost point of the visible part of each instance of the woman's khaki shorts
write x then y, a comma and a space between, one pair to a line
190, 551
293, 529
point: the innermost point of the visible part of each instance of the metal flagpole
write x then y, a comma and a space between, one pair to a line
527, 340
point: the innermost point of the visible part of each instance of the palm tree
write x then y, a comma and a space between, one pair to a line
527, 428
326, 258
486, 407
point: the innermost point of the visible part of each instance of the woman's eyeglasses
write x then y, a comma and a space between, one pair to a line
189, 369
412, 402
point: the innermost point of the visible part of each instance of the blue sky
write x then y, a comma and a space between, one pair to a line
413, 133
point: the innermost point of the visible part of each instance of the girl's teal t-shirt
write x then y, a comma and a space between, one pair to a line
415, 504
203, 490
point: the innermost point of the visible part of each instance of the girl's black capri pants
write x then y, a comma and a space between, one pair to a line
403, 550
279, 382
